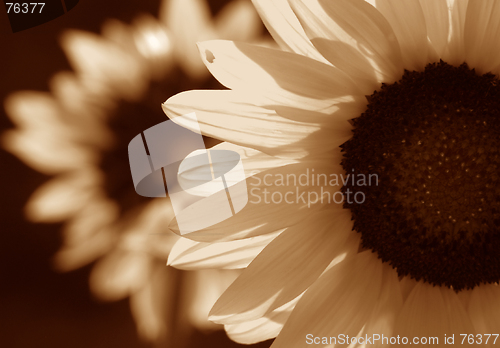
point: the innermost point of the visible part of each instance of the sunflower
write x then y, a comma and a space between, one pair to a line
370, 146
80, 136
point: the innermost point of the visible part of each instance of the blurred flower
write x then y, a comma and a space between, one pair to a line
428, 263
79, 134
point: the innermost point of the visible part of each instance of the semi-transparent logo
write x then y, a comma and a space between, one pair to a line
204, 186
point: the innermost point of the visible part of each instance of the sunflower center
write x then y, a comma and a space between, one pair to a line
433, 140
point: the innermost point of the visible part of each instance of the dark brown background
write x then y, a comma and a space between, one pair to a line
39, 307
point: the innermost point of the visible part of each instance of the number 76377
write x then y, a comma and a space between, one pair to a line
24, 7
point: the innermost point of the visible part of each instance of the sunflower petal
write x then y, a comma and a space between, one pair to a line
430, 312
329, 24
408, 22
297, 260
481, 31
338, 303
190, 255
459, 320
284, 27
258, 330
484, 310
320, 29
388, 306
407, 284
437, 20
265, 72
254, 160
265, 215
232, 117
456, 48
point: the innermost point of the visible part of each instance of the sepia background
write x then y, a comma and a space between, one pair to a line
42, 307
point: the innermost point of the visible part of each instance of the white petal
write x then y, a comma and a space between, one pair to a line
321, 30
456, 51
430, 311
285, 268
407, 284
437, 20
63, 196
285, 27
464, 297
351, 248
482, 29
233, 117
254, 161
190, 255
408, 22
459, 320
484, 310
387, 308
276, 76
339, 303
258, 330
264, 214
372, 36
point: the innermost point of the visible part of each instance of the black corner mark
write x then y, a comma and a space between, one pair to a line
24, 14
70, 4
